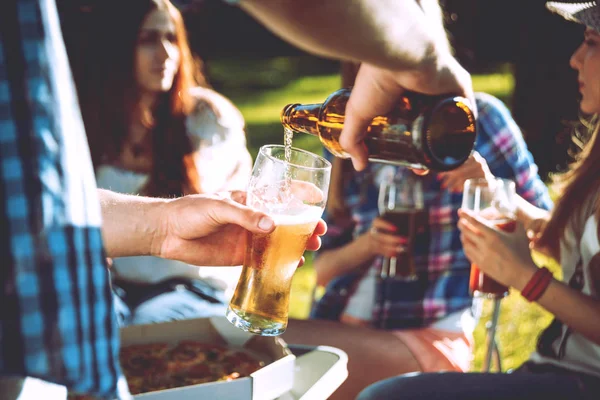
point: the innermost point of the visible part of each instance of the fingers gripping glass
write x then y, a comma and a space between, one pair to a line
493, 200
293, 193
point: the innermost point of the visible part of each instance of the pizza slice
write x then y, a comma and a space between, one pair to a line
188, 353
144, 359
199, 373
238, 361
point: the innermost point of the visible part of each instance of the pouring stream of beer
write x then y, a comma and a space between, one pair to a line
287, 141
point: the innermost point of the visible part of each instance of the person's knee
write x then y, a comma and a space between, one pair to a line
371, 392
174, 306
386, 389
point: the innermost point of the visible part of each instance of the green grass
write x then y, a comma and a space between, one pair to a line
519, 325
261, 96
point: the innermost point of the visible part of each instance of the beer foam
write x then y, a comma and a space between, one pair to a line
304, 215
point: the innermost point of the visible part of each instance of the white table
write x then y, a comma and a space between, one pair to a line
319, 372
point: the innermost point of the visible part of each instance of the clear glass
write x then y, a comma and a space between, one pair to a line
294, 194
401, 203
494, 200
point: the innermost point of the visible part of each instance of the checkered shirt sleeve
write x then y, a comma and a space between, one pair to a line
500, 141
56, 316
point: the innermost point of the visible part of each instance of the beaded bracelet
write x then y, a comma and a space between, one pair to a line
537, 285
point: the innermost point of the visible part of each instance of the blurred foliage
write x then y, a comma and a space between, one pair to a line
261, 88
499, 83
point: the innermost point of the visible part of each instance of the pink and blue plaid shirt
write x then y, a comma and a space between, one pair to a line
443, 269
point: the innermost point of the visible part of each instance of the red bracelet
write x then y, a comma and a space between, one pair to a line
537, 285
533, 282
537, 292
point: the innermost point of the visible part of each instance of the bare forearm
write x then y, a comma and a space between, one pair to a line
333, 263
393, 34
130, 223
578, 311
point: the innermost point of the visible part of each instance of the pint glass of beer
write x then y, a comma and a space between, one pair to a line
494, 200
401, 203
292, 189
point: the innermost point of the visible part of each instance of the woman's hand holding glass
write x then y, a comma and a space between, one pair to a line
382, 239
534, 220
504, 256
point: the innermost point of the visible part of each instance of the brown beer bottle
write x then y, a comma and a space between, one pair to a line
423, 132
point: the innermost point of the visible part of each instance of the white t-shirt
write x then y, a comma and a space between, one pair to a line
581, 354
216, 129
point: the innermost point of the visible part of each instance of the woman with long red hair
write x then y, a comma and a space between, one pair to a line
155, 128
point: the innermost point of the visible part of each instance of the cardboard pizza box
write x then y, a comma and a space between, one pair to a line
267, 383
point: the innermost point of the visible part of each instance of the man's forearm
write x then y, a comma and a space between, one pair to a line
393, 34
130, 223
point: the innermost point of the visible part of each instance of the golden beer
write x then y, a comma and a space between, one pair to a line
290, 185
261, 299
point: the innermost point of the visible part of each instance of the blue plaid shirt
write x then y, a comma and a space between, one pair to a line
56, 316
440, 261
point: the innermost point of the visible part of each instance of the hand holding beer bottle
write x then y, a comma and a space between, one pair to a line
421, 132
376, 91
292, 190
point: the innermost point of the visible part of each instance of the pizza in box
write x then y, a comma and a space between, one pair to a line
159, 366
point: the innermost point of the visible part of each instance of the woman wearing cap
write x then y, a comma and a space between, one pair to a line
566, 363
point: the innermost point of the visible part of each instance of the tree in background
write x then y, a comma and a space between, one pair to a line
539, 45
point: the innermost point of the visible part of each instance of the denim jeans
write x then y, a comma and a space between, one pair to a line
530, 382
173, 300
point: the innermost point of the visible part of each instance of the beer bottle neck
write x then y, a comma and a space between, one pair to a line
301, 118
